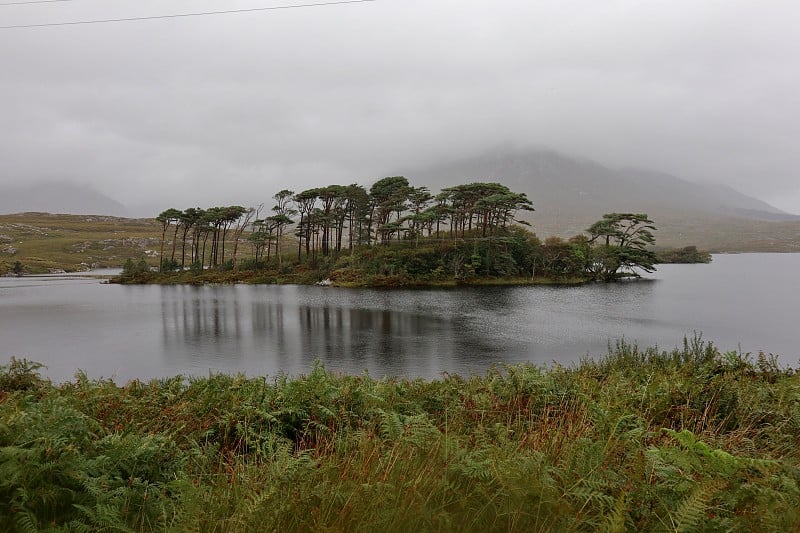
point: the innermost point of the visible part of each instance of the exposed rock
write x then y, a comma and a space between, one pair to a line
109, 244
325, 282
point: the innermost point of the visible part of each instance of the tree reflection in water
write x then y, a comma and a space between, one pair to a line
349, 331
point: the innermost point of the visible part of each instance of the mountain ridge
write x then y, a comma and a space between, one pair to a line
552, 176
570, 193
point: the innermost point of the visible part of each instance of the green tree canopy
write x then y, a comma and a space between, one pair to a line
621, 242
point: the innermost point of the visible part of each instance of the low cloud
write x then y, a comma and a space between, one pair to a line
234, 107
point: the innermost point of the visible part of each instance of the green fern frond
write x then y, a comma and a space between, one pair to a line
691, 511
615, 520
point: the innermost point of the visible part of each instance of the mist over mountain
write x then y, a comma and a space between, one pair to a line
570, 193
59, 198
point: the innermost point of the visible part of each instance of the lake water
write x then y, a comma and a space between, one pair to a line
749, 302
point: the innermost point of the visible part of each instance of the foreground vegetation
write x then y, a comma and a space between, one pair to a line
689, 440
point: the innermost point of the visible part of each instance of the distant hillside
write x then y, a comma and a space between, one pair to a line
570, 193
43, 242
59, 198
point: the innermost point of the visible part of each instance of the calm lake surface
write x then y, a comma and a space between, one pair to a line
747, 301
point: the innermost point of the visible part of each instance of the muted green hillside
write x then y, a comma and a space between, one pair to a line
42, 243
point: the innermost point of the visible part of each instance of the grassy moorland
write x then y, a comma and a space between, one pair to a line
689, 440
41, 242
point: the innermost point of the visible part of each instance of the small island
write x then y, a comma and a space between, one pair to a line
687, 254
393, 235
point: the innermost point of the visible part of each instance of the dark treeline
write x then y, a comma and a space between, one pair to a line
467, 231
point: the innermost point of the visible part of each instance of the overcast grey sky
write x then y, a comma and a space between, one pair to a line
232, 108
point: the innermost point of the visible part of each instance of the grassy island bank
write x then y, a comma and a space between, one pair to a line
426, 264
689, 440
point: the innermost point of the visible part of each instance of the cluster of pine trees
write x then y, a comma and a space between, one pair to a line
325, 221
336, 216
197, 227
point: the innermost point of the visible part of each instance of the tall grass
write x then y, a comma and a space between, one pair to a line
688, 440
